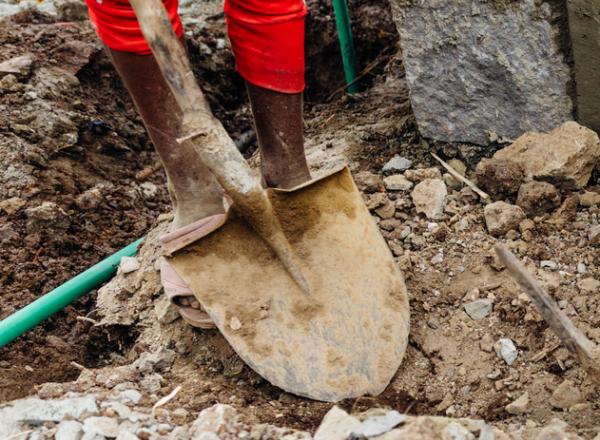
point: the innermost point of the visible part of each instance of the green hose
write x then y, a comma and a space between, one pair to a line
31, 315
342, 21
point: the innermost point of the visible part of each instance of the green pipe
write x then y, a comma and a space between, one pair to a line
31, 315
342, 21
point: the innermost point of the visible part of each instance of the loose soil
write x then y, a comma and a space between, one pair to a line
449, 367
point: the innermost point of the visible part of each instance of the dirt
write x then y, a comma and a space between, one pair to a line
449, 367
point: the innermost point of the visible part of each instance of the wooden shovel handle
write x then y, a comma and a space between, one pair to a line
575, 341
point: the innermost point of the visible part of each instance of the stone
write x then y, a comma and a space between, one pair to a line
89, 199
378, 424
104, 426
19, 66
455, 431
12, 205
151, 382
397, 182
565, 157
387, 210
336, 425
486, 343
374, 201
500, 177
468, 68
429, 197
589, 286
368, 182
519, 406
556, 430
166, 312
421, 174
526, 225
589, 198
47, 216
70, 10
501, 217
130, 396
506, 350
69, 430
479, 309
396, 164
594, 234
154, 361
567, 211
129, 264
217, 419
537, 198
566, 395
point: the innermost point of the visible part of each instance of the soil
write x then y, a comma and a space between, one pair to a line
69, 135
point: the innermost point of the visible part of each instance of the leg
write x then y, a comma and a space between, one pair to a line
268, 42
194, 191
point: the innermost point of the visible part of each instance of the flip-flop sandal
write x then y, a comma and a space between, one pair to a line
174, 286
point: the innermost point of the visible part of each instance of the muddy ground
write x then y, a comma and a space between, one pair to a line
69, 136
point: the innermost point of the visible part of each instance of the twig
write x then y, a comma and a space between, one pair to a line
85, 318
166, 399
18, 435
78, 366
545, 352
463, 179
148, 171
573, 339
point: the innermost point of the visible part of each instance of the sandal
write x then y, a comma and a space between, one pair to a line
175, 287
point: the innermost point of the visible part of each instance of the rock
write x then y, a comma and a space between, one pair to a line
451, 182
487, 343
12, 205
19, 66
156, 361
499, 177
104, 426
374, 201
69, 430
368, 182
129, 264
336, 425
458, 166
567, 211
589, 198
526, 225
396, 164
501, 217
548, 264
397, 182
455, 431
218, 419
519, 406
566, 395
47, 216
505, 349
556, 430
165, 310
537, 198
594, 234
130, 396
429, 198
464, 61
422, 174
151, 382
565, 156
70, 10
89, 199
479, 309
387, 210
589, 286
377, 424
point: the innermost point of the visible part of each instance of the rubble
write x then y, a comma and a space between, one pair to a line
564, 157
368, 182
47, 216
396, 164
537, 198
519, 406
479, 309
500, 177
501, 217
420, 174
19, 66
397, 182
429, 197
506, 350
129, 264
566, 395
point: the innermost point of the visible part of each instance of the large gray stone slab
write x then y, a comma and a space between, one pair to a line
584, 27
475, 66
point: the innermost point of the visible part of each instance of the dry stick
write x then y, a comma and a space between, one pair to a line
463, 179
576, 342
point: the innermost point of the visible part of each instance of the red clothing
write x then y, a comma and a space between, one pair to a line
267, 36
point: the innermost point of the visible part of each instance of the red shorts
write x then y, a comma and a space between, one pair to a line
267, 37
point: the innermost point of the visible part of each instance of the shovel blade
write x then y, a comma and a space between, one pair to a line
348, 336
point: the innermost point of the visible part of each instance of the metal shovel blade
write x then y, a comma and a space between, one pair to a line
344, 339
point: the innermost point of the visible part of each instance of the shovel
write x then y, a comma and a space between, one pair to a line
300, 282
